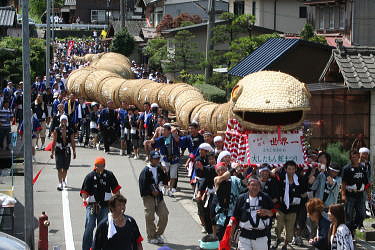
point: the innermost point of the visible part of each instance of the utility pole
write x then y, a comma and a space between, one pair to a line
123, 10
28, 177
48, 41
209, 44
53, 21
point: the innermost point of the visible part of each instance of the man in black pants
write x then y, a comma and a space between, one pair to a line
107, 125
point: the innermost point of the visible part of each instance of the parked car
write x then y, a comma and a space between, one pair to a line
9, 242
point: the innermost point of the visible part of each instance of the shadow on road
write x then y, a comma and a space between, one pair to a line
19, 220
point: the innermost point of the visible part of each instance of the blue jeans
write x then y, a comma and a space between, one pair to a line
92, 219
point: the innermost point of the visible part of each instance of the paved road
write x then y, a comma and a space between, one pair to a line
182, 232
67, 214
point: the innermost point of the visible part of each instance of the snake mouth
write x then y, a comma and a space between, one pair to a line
271, 118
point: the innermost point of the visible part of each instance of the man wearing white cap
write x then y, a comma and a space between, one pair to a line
219, 144
364, 156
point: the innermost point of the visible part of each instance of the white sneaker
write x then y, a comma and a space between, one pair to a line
173, 190
34, 160
135, 158
121, 152
153, 241
203, 230
64, 185
60, 187
36, 147
170, 193
98, 147
160, 240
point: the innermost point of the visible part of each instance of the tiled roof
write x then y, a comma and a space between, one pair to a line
7, 16
356, 65
70, 3
134, 27
263, 56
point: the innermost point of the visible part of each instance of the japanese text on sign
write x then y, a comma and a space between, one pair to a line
274, 149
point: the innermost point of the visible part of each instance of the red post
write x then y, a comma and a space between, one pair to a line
43, 232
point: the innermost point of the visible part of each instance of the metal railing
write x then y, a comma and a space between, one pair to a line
74, 26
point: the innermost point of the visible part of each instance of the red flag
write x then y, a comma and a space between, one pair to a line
37, 175
70, 47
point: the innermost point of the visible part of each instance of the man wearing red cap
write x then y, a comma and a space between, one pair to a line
96, 192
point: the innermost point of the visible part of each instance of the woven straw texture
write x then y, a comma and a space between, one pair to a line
117, 58
76, 81
179, 88
93, 82
108, 89
205, 115
135, 92
269, 91
183, 114
163, 96
126, 91
110, 65
149, 92
194, 114
220, 117
187, 96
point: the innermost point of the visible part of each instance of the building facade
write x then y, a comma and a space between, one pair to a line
288, 16
353, 19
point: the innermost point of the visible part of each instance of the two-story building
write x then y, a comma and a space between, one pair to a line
351, 20
288, 16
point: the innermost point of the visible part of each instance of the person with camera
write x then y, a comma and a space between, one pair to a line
152, 197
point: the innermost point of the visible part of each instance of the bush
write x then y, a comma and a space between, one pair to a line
212, 93
123, 43
338, 154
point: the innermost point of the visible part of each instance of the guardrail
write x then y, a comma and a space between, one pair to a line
74, 26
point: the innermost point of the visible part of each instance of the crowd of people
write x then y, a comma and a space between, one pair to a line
237, 204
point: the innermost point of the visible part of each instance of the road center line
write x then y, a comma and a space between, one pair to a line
69, 242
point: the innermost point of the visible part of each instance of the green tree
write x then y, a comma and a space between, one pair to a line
38, 7
123, 43
11, 58
186, 57
308, 34
156, 51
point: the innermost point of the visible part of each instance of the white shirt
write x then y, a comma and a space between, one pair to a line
154, 171
254, 206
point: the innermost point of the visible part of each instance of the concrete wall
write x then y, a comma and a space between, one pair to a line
364, 23
175, 8
287, 14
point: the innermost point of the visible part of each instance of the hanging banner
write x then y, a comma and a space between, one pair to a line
276, 150
70, 47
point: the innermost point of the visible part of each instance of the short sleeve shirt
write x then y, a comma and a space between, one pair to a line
355, 177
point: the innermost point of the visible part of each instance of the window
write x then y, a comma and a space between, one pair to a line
98, 16
253, 10
330, 17
239, 7
303, 12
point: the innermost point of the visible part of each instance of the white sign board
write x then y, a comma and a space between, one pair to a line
269, 148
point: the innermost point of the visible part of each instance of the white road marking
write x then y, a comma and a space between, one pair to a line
69, 242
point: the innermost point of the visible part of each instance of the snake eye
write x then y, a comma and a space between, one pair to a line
236, 92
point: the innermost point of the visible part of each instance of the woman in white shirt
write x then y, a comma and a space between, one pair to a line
340, 237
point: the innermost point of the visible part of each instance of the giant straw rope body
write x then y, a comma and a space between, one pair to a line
108, 77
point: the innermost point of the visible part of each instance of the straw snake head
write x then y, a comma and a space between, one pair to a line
266, 100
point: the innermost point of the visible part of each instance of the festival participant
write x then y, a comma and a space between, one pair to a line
94, 116
340, 237
253, 213
205, 190
70, 107
219, 144
149, 179
63, 139
134, 131
269, 184
56, 118
290, 199
364, 155
224, 156
107, 125
208, 138
34, 132
228, 188
6, 119
83, 113
315, 209
354, 184
17, 104
169, 145
40, 109
96, 192
119, 231
327, 185
124, 128
56, 102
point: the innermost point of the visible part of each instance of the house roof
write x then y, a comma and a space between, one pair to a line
70, 3
134, 27
267, 53
356, 65
7, 16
